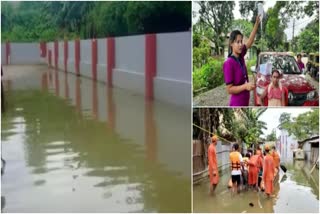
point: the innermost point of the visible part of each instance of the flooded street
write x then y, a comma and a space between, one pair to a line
295, 191
74, 145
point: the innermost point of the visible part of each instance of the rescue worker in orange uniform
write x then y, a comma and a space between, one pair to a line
276, 160
259, 152
255, 164
213, 164
268, 172
236, 165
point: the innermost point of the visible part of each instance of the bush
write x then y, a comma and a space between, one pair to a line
208, 76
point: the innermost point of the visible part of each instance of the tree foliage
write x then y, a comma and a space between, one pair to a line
272, 136
308, 39
34, 21
238, 125
303, 126
218, 16
274, 32
244, 26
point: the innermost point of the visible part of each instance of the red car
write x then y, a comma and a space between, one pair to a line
299, 91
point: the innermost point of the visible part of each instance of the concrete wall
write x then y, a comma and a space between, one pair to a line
85, 58
61, 55
130, 63
70, 66
172, 83
102, 60
25, 53
288, 144
173, 80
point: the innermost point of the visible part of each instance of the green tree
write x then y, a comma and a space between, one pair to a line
244, 26
218, 16
34, 21
284, 119
274, 31
248, 8
303, 126
248, 127
308, 39
272, 136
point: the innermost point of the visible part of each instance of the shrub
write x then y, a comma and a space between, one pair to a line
208, 76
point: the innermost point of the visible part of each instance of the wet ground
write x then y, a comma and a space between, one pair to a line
294, 191
74, 145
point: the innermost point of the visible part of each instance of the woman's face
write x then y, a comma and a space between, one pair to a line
237, 45
299, 58
275, 77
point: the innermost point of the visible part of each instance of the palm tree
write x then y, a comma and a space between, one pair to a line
248, 127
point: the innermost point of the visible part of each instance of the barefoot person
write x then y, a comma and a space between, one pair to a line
213, 164
234, 68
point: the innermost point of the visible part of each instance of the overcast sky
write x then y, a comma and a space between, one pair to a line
299, 23
271, 116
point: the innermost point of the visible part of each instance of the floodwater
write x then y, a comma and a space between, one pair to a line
75, 145
295, 191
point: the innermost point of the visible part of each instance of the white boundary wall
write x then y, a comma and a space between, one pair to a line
129, 63
172, 82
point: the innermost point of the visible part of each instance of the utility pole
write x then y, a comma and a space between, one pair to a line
293, 36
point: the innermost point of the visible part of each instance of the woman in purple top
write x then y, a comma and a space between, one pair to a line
300, 63
234, 68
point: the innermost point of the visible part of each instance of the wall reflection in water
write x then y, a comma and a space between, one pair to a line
85, 147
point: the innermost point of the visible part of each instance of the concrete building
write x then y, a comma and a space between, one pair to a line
285, 145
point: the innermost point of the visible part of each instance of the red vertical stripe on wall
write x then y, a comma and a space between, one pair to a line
43, 49
150, 64
77, 56
56, 54
65, 55
7, 52
94, 59
110, 59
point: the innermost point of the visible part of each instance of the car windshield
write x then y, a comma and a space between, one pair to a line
285, 63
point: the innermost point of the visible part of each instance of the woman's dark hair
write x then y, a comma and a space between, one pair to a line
299, 55
275, 71
232, 38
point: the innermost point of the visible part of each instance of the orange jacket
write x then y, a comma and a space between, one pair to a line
235, 160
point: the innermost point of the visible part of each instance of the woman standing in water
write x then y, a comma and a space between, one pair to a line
234, 68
